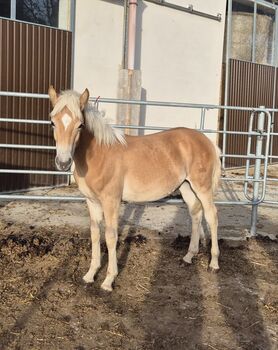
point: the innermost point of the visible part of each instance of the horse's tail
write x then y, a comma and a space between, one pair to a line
217, 168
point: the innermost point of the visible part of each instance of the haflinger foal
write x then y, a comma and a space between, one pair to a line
111, 167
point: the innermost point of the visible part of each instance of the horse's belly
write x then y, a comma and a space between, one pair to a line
148, 193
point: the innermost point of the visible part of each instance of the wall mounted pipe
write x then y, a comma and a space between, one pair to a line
131, 33
125, 34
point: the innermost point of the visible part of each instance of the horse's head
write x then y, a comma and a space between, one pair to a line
67, 121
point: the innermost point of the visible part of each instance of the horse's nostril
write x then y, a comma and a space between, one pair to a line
64, 166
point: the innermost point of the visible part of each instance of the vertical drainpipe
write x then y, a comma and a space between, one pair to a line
125, 35
131, 33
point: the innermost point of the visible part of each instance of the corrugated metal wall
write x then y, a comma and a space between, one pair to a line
250, 85
31, 58
275, 124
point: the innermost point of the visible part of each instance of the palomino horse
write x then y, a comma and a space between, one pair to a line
110, 167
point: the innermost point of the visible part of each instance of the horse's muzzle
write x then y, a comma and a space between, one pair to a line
63, 166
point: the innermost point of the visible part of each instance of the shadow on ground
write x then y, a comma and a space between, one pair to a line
158, 302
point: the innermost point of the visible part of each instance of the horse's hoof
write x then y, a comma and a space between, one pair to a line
88, 279
106, 287
213, 269
187, 261
188, 258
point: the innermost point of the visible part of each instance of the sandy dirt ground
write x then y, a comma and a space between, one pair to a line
158, 302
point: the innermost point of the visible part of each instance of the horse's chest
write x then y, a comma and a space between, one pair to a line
84, 188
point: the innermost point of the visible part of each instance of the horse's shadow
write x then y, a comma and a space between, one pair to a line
162, 326
184, 324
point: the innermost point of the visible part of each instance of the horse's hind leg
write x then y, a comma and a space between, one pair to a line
195, 210
96, 217
210, 212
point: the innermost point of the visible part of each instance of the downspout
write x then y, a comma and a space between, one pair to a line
125, 35
131, 33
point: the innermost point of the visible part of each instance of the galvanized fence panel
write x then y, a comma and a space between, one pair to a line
259, 131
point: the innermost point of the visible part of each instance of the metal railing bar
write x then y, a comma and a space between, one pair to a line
149, 103
188, 9
265, 4
180, 104
54, 172
241, 156
31, 197
270, 179
266, 201
25, 121
78, 198
173, 201
30, 121
240, 179
205, 131
3, 145
19, 146
39, 172
22, 94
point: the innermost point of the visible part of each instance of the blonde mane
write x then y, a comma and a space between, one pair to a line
97, 123
95, 120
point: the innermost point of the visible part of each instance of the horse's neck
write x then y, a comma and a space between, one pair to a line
85, 146
87, 151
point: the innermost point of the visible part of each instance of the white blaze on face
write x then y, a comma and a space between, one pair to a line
66, 120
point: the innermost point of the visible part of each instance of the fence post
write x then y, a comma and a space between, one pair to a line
257, 173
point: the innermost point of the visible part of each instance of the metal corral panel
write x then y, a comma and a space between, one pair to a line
250, 85
31, 58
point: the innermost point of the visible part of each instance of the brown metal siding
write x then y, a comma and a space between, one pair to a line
250, 85
275, 125
31, 58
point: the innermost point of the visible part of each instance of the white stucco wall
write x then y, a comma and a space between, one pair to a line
179, 55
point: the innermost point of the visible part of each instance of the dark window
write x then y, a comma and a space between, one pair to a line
38, 11
5, 8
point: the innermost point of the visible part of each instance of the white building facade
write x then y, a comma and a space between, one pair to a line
179, 56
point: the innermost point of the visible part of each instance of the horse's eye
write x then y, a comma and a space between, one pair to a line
52, 124
81, 126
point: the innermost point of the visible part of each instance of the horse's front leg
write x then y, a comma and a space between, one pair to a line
96, 217
111, 213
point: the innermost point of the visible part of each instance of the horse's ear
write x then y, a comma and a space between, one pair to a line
52, 95
84, 99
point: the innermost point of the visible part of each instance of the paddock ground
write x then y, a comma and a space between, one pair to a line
158, 302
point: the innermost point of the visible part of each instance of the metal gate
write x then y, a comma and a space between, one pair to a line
258, 132
31, 58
